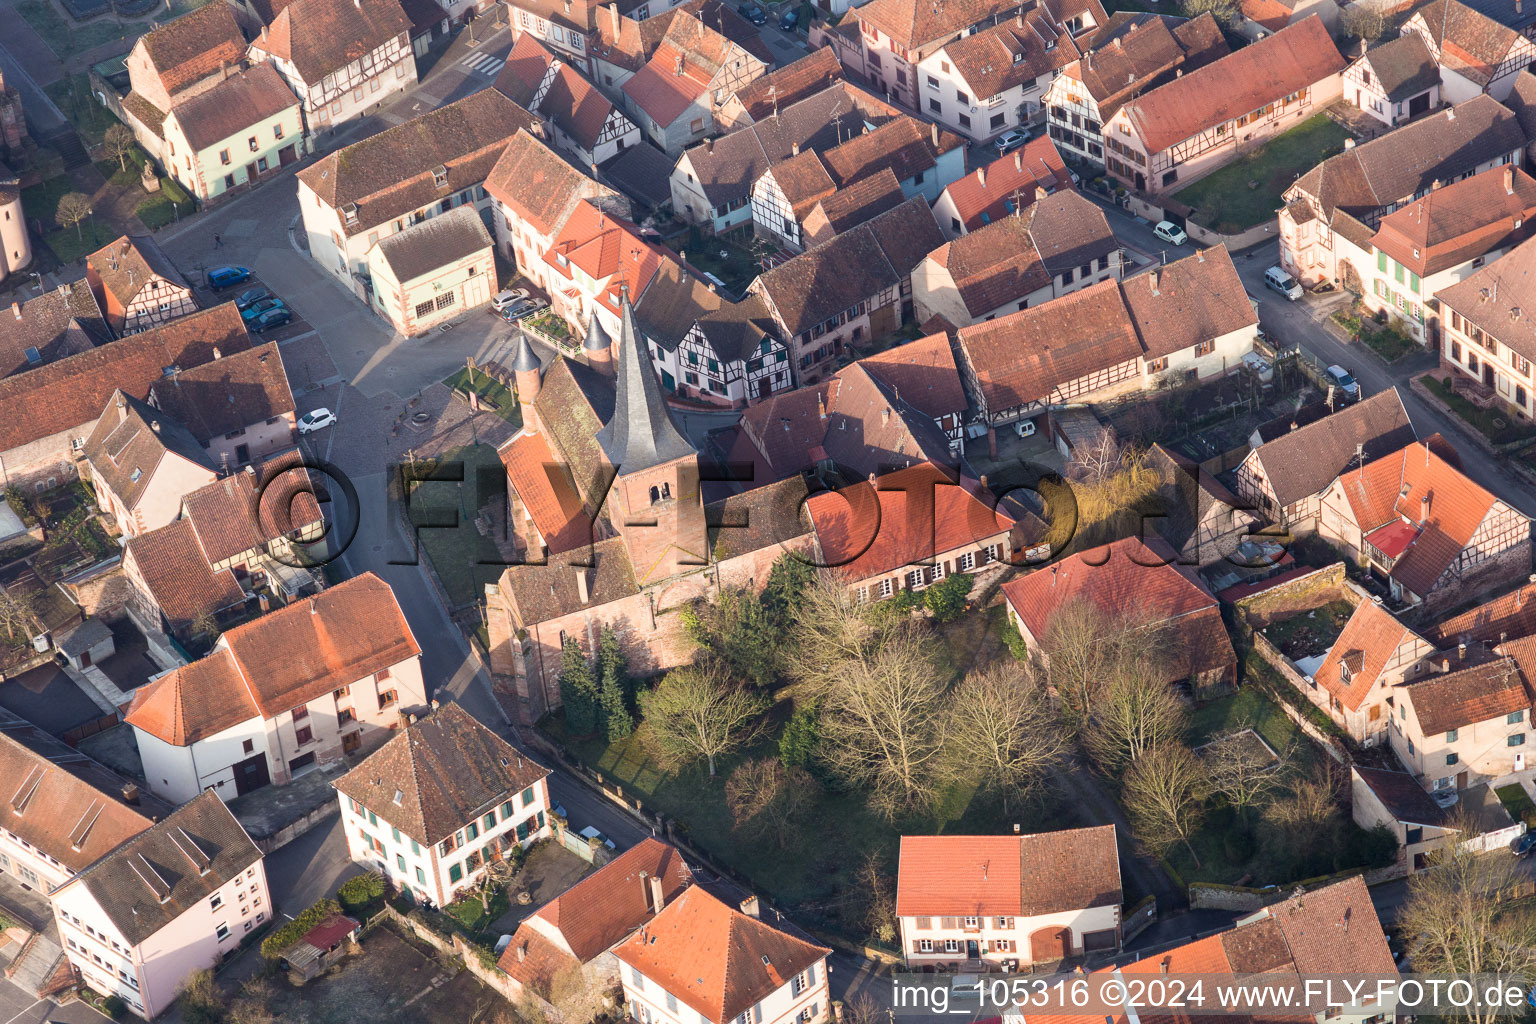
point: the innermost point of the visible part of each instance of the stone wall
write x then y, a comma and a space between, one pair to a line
291, 831
1142, 917
1301, 594
1212, 896
104, 595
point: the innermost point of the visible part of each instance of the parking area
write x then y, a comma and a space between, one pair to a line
267, 324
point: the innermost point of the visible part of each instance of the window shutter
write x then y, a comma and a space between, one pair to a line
917, 945
810, 976
757, 1014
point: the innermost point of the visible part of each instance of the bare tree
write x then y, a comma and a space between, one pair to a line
492, 880
1457, 919
695, 713
16, 616
863, 1009
1138, 711
1242, 769
829, 629
1224, 11
1097, 459
119, 142
1366, 20
1309, 805
767, 798
73, 208
875, 890
1003, 732
1164, 792
883, 723
578, 995
1084, 649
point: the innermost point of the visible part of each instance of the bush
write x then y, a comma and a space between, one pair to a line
273, 945
1013, 640
113, 1007
360, 891
801, 737
946, 598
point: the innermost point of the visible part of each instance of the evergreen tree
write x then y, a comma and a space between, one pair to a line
617, 721
578, 690
611, 660
785, 590
798, 742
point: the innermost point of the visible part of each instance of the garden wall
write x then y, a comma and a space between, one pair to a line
291, 831
456, 946
1292, 675
1145, 207
1141, 917
1212, 896
1301, 594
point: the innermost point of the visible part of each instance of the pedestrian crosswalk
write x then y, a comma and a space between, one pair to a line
483, 63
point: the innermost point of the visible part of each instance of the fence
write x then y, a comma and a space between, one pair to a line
91, 728
577, 845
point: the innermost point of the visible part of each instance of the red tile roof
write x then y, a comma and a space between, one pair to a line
1367, 643
1456, 700
187, 49
994, 266
992, 189
178, 575
1461, 221
922, 373
902, 519
790, 84
984, 876
607, 249
1293, 59
714, 958
1512, 614
547, 492
669, 83
194, 702
1132, 582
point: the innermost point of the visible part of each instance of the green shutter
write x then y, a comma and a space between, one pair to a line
1381, 261
1413, 282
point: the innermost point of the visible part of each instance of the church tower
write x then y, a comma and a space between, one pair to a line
655, 502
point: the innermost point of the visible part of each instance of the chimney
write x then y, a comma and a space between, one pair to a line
1509, 174
981, 176
1018, 161
1461, 652
658, 898
16, 309
1435, 185
154, 425
1040, 193
933, 133
1450, 113
216, 353
677, 66
522, 951
613, 18
983, 481
1349, 143
313, 606
1424, 509
130, 794
821, 406
885, 416
582, 592
750, 906
709, 145
794, 149
1152, 279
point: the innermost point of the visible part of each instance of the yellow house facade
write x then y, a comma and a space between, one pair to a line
242, 129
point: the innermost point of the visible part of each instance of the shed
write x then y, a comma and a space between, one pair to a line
87, 644
320, 947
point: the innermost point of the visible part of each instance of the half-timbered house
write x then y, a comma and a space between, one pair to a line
136, 285
581, 121
314, 45
1475, 54
1488, 335
1395, 81
1188, 127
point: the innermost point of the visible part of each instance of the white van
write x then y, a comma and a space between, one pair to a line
1284, 283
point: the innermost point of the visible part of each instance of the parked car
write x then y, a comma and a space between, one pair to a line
1024, 428
590, 833
1525, 845
506, 298
316, 419
789, 20
246, 299
261, 306
522, 309
220, 278
1344, 382
752, 12
1010, 141
1280, 281
1170, 232
270, 319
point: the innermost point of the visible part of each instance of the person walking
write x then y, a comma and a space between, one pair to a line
216, 242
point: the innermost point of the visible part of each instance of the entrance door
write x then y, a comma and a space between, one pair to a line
972, 949
1461, 780
85, 662
764, 387
1488, 373
251, 774
1520, 762
250, 172
1418, 105
288, 155
242, 453
474, 292
301, 762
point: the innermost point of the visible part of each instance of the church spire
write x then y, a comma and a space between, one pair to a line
641, 433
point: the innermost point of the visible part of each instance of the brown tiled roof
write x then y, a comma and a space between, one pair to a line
851, 268
913, 24
1522, 100
871, 429
790, 84
577, 108
71, 392
1402, 796
390, 174
1305, 461
1404, 67
854, 204
1025, 356
1512, 614
1178, 306
1335, 930
60, 813
716, 959
438, 772
236, 391
641, 173
990, 193
1500, 298
170, 868
425, 248
675, 301
146, 112
783, 428
233, 106
768, 515
1402, 163
994, 266
1461, 222
669, 83
1135, 51
626, 42
1068, 231
177, 573
322, 36
126, 265
607, 906
990, 876
236, 514
1293, 59
50, 325
1468, 42
544, 592
1368, 642
524, 70
133, 440
540, 187
906, 146
1012, 53
336, 637
194, 46
922, 372
804, 181
1196, 494
1133, 581
574, 403
193, 702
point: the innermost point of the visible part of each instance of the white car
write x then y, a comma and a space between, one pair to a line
1170, 232
318, 419
1024, 428
506, 298
590, 833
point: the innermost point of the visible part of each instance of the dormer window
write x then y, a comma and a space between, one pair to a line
349, 213
440, 176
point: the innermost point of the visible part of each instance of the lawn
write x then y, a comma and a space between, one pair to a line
71, 244
1517, 802
474, 916
464, 559
1228, 200
736, 265
1248, 707
40, 202
91, 119
1390, 342
1310, 633
165, 206
125, 172
493, 394
63, 37
1497, 425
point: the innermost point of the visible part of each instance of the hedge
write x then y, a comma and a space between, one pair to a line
273, 945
